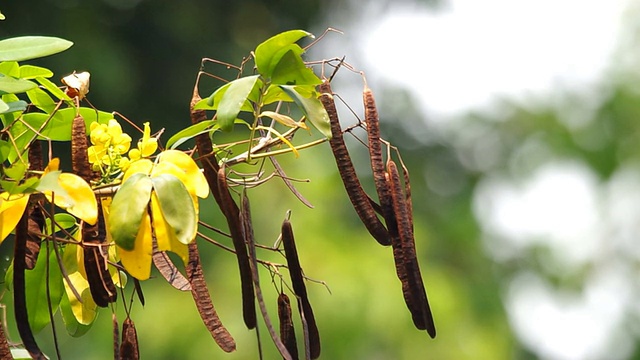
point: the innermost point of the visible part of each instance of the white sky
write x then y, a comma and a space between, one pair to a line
465, 57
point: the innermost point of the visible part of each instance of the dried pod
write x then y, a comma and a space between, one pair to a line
413, 287
245, 218
19, 294
129, 345
232, 213
377, 164
116, 336
359, 199
79, 144
297, 282
200, 293
35, 224
169, 271
287, 332
5, 352
95, 248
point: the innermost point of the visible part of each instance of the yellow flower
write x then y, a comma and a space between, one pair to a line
147, 144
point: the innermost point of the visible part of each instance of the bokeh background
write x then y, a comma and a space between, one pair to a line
519, 121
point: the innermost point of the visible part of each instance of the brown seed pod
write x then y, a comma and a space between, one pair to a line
129, 346
245, 217
79, 145
200, 293
169, 271
36, 216
116, 336
232, 213
377, 164
297, 282
359, 199
95, 248
413, 287
5, 352
287, 332
19, 294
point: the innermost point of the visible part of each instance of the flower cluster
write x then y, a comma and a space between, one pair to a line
109, 146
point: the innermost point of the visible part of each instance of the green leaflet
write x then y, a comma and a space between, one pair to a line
234, 99
12, 85
31, 47
177, 206
40, 99
32, 72
306, 99
269, 53
36, 289
74, 328
53, 88
291, 70
127, 209
190, 132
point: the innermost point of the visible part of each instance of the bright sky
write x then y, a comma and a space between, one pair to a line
464, 57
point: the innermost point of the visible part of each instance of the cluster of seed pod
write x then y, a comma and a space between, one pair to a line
395, 204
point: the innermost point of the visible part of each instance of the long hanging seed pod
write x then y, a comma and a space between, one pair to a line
297, 282
287, 332
200, 293
116, 337
36, 216
19, 294
94, 237
231, 212
415, 294
359, 199
129, 346
377, 164
245, 217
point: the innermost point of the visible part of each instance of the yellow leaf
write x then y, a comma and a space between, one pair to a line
138, 261
85, 312
11, 210
195, 180
81, 202
140, 166
165, 235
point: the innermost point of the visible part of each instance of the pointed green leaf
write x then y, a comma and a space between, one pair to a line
10, 68
189, 133
4, 107
234, 99
291, 70
268, 54
14, 106
307, 100
5, 148
213, 101
32, 72
40, 99
14, 86
36, 288
53, 89
9, 117
127, 209
177, 206
58, 127
16, 171
31, 47
274, 94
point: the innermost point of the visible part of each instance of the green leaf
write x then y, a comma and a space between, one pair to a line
50, 182
53, 89
5, 149
291, 70
58, 126
268, 54
4, 107
14, 106
9, 117
307, 100
274, 94
177, 206
16, 171
74, 328
234, 99
63, 221
31, 47
10, 68
32, 72
127, 209
15, 86
189, 133
213, 101
40, 99
36, 288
